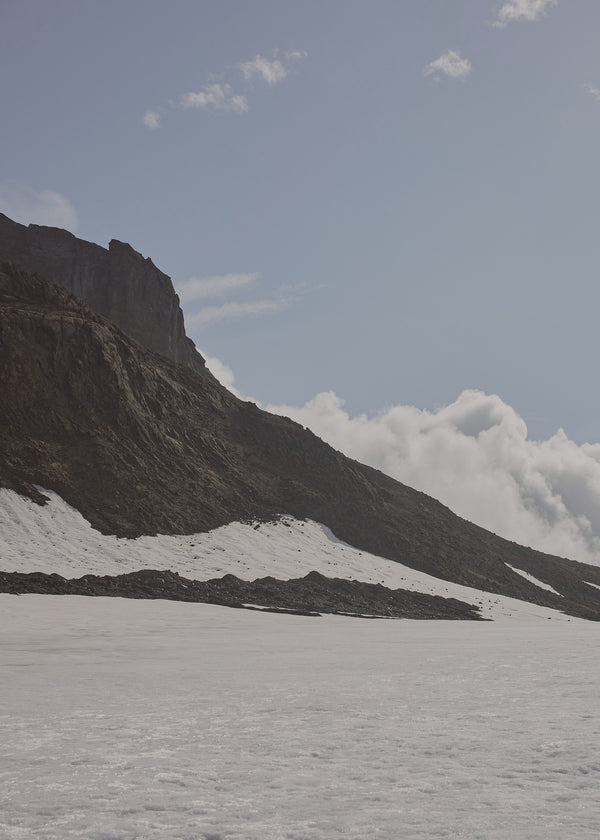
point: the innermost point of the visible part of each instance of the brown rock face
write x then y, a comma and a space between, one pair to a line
118, 283
140, 444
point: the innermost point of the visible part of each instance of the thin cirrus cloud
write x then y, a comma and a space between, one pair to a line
214, 286
450, 64
519, 10
220, 95
236, 309
221, 285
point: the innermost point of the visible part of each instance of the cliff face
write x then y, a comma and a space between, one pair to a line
118, 283
139, 444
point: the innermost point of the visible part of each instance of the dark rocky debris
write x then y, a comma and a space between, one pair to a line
310, 595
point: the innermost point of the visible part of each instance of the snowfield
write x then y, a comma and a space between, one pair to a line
158, 720
56, 538
155, 720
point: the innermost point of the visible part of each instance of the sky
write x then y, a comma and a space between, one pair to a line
370, 210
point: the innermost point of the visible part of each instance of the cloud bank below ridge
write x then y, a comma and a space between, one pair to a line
474, 456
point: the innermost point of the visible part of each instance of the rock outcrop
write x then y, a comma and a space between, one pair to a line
141, 445
118, 283
311, 595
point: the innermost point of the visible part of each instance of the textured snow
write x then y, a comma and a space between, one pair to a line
56, 538
154, 720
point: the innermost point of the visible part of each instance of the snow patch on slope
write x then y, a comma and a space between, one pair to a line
56, 538
533, 579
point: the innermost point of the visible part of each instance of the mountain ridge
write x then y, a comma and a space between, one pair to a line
141, 444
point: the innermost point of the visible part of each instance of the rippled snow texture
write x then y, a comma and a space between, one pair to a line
167, 721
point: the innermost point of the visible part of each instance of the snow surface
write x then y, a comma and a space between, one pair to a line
56, 538
156, 720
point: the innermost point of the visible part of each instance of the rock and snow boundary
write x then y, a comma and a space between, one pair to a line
55, 538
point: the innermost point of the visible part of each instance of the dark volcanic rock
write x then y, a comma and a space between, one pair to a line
312, 594
141, 445
117, 283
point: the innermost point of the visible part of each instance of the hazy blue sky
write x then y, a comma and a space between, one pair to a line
396, 200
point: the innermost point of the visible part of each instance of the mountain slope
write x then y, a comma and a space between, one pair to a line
140, 444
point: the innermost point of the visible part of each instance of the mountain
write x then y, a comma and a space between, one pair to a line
142, 442
117, 283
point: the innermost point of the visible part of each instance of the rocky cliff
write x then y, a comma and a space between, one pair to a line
140, 444
118, 283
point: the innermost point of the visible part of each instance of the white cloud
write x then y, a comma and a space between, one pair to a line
218, 284
236, 309
221, 371
593, 91
152, 119
474, 456
530, 10
217, 96
46, 207
270, 70
450, 64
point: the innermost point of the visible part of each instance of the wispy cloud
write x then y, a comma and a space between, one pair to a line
216, 96
43, 207
152, 119
218, 284
593, 91
198, 289
295, 55
270, 70
450, 64
531, 10
237, 309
